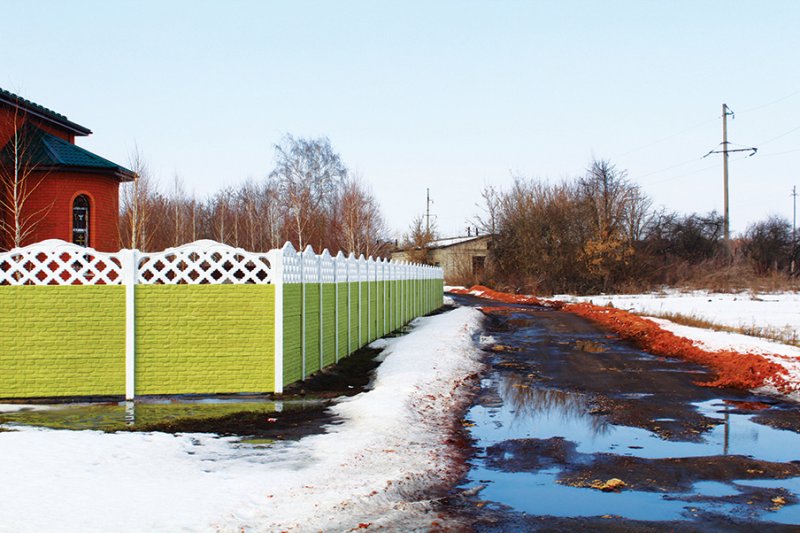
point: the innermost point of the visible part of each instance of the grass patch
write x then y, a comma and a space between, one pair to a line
786, 335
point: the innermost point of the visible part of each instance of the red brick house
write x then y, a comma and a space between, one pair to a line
49, 187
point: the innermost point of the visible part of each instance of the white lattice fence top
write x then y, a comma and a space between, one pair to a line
352, 268
291, 264
327, 267
203, 262
56, 262
372, 269
310, 262
341, 267
362, 268
380, 269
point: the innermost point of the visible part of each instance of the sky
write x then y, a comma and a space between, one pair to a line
449, 95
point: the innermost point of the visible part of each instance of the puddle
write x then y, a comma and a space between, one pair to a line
541, 494
528, 411
553, 415
116, 416
714, 489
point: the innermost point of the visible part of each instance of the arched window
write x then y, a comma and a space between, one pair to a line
80, 221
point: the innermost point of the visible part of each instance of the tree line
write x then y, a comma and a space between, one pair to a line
600, 233
309, 197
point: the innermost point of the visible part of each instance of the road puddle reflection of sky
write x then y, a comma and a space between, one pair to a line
513, 406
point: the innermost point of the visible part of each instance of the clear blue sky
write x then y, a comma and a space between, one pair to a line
451, 95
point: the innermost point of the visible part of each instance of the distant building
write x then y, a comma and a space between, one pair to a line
70, 193
463, 259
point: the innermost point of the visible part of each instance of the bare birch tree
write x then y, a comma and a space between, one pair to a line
19, 179
135, 202
307, 172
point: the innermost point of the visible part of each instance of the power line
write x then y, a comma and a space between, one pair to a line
680, 176
779, 136
668, 137
772, 103
693, 160
779, 153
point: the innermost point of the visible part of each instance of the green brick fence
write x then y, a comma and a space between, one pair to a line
198, 319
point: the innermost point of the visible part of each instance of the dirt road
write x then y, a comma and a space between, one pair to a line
575, 428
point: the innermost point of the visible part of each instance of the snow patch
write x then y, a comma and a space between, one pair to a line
372, 468
710, 340
778, 311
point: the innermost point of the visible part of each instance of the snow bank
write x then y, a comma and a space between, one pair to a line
706, 339
778, 311
374, 468
768, 313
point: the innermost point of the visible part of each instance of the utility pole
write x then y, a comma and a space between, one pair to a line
727, 216
428, 213
794, 227
794, 212
725, 151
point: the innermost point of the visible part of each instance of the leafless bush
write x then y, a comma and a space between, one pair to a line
599, 233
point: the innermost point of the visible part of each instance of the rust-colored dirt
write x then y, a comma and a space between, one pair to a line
733, 369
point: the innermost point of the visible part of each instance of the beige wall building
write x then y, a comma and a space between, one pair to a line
463, 259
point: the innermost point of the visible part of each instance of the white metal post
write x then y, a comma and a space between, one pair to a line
321, 314
276, 262
349, 311
360, 301
303, 315
130, 271
336, 298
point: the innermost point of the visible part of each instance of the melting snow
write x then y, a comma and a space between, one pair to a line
774, 310
375, 467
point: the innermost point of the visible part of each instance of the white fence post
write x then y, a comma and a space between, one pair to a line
359, 275
302, 315
350, 259
130, 271
276, 262
337, 261
383, 283
369, 301
321, 315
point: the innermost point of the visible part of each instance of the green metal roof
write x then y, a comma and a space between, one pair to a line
43, 150
42, 112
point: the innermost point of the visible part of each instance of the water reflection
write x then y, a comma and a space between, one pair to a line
115, 416
527, 401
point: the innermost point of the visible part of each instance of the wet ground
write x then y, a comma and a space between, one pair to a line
574, 428
259, 419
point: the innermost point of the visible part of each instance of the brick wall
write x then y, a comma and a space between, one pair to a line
342, 325
53, 200
329, 323
312, 328
292, 333
62, 341
70, 340
204, 339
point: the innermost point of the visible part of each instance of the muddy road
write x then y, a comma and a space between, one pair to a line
574, 428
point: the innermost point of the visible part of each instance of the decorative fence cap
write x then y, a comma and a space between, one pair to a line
57, 262
203, 262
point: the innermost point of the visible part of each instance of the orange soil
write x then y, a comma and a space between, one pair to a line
733, 369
